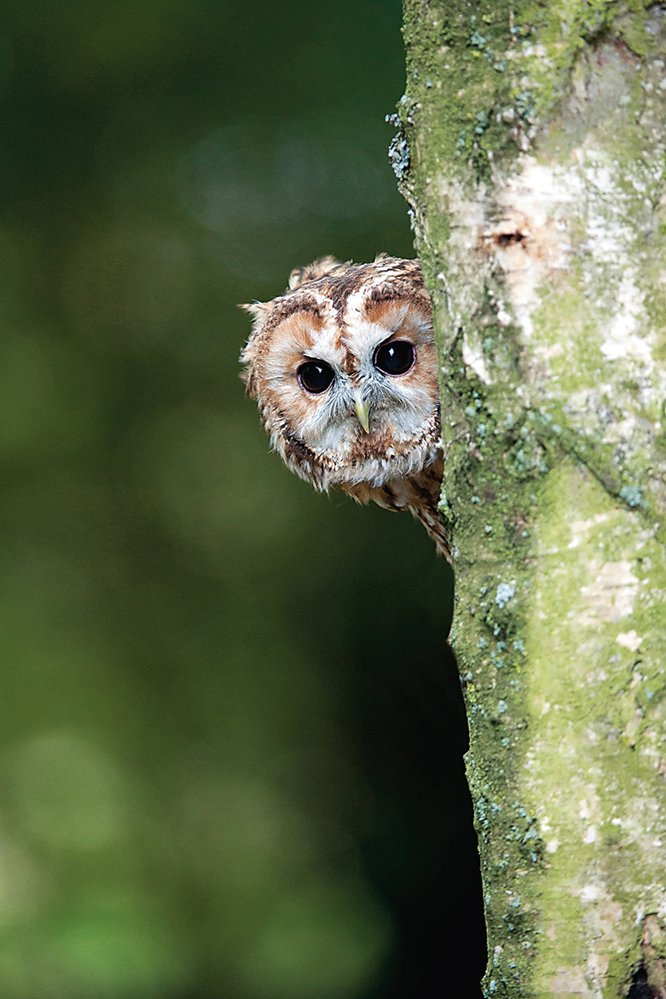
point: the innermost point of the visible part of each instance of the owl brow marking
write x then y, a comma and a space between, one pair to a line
390, 294
342, 287
386, 297
288, 307
379, 296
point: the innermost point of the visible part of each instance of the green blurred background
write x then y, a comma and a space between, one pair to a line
230, 742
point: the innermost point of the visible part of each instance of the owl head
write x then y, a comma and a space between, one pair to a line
344, 368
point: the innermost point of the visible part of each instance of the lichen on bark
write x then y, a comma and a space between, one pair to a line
536, 137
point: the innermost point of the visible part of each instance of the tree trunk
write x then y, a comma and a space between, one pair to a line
536, 137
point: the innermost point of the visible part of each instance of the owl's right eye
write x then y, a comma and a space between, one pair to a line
315, 376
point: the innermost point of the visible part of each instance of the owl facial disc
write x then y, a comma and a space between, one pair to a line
343, 366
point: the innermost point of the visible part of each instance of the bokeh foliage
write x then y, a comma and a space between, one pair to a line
218, 688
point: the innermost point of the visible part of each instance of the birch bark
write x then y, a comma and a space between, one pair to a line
532, 152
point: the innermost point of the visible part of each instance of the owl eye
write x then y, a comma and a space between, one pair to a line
315, 376
395, 357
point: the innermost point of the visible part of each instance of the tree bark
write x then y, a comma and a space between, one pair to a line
532, 153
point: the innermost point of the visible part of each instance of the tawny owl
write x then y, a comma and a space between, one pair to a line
344, 368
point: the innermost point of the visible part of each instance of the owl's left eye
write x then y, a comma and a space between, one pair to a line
315, 376
395, 357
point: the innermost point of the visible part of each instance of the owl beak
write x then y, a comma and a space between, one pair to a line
362, 412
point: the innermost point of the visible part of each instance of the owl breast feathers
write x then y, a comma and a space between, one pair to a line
343, 366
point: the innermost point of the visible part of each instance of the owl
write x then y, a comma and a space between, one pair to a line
343, 366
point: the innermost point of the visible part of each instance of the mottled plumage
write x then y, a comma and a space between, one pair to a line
344, 368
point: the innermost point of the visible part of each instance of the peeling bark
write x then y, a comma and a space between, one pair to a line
532, 153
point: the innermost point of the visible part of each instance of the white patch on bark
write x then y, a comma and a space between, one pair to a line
472, 353
629, 639
570, 982
622, 337
529, 240
611, 595
529, 232
580, 528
